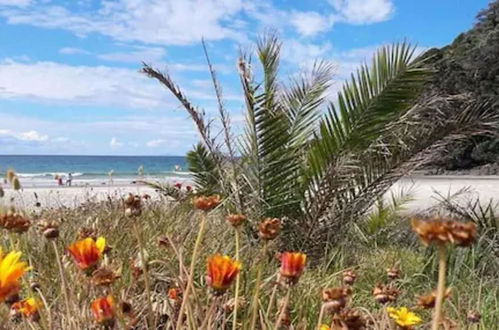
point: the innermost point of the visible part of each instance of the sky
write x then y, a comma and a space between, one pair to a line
69, 69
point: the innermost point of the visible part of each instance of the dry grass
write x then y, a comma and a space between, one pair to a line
474, 284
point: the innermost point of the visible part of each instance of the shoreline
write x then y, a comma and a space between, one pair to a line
423, 189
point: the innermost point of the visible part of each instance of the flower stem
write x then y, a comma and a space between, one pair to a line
442, 261
191, 271
321, 316
254, 303
236, 296
209, 315
147, 284
271, 300
63, 282
284, 307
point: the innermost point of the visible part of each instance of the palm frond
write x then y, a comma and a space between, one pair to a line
204, 169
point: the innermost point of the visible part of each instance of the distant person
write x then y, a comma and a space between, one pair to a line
59, 181
70, 179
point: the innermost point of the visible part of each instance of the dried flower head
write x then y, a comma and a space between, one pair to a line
11, 270
292, 266
236, 219
206, 203
335, 299
352, 319
48, 229
403, 317
443, 231
474, 316
85, 232
14, 222
133, 205
104, 276
222, 271
231, 303
104, 311
87, 252
269, 228
428, 301
349, 277
28, 308
10, 175
393, 273
385, 293
178, 185
16, 183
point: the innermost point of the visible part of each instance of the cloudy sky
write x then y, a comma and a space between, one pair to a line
69, 81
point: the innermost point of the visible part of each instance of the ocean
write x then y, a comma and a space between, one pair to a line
38, 170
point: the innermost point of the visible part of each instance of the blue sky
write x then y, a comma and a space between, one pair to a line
69, 81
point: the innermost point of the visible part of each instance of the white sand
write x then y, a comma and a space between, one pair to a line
422, 188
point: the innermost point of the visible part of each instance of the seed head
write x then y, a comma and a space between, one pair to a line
236, 220
269, 228
474, 316
49, 229
444, 231
428, 301
335, 299
349, 277
206, 203
385, 293
104, 276
14, 222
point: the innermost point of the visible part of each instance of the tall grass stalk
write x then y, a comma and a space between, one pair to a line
63, 282
442, 263
238, 279
254, 304
191, 270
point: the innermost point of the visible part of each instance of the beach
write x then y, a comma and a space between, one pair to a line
425, 191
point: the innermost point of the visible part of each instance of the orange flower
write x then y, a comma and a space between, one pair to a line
222, 271
206, 203
104, 310
292, 265
11, 270
87, 252
27, 307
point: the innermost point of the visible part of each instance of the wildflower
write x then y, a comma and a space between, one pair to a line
269, 228
14, 222
292, 265
349, 277
324, 327
428, 301
206, 203
474, 316
49, 229
133, 206
403, 317
11, 270
178, 185
335, 299
385, 293
188, 188
174, 294
104, 276
85, 232
28, 308
443, 231
352, 319
393, 273
222, 271
87, 252
236, 219
103, 310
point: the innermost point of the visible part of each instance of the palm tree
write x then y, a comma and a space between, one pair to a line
320, 164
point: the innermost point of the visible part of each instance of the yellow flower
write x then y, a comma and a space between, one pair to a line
324, 327
403, 317
11, 270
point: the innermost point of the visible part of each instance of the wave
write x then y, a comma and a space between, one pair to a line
47, 174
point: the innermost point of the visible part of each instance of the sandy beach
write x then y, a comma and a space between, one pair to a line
424, 191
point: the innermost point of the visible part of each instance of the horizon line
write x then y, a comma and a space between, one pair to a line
84, 155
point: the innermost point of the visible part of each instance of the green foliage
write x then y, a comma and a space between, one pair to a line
316, 163
204, 169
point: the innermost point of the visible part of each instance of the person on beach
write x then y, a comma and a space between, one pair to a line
70, 179
59, 180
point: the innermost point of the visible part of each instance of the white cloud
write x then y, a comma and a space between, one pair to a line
15, 3
114, 143
150, 21
33, 136
305, 53
156, 143
310, 23
143, 54
73, 51
363, 11
86, 85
